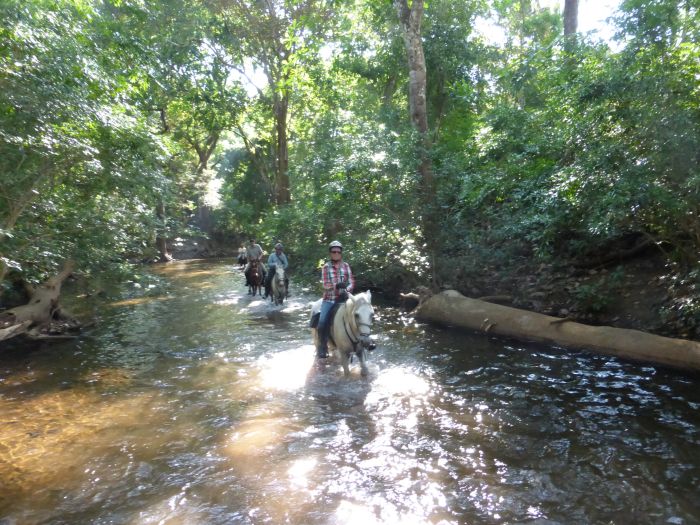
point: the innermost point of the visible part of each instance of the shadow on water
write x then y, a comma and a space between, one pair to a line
191, 402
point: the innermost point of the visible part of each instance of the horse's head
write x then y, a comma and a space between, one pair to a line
279, 275
362, 313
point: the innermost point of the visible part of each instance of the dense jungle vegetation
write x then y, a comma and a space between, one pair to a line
437, 156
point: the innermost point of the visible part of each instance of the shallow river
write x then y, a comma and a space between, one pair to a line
192, 403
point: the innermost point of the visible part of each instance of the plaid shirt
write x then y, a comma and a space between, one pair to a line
333, 274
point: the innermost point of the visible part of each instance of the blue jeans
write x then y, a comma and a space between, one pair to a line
326, 307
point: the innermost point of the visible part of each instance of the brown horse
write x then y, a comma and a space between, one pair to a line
255, 277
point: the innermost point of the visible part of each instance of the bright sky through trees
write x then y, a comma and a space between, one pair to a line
592, 15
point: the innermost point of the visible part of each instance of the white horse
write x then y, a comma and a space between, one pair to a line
279, 285
351, 329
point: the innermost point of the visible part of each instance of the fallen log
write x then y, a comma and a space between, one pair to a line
14, 330
39, 311
453, 309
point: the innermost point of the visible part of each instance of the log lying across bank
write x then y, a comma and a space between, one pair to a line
36, 317
453, 309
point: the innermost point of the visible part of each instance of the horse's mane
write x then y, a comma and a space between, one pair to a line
361, 298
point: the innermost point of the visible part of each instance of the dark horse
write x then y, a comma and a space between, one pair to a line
256, 278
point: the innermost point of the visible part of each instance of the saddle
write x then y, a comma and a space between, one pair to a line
316, 315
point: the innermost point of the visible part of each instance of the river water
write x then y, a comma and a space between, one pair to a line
190, 402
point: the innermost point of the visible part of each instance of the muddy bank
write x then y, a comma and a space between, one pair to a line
644, 294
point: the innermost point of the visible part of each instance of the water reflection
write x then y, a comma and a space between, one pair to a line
195, 403
288, 369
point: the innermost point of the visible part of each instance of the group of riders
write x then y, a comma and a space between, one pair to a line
253, 255
336, 277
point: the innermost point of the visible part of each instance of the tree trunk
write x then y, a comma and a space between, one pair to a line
570, 17
161, 240
410, 19
42, 305
282, 191
525, 11
389, 90
453, 309
203, 218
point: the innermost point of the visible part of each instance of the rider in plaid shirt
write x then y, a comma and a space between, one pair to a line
335, 272
337, 278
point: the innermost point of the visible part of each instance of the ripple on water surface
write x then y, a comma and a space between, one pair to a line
192, 402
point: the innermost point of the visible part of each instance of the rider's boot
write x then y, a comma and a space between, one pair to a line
322, 348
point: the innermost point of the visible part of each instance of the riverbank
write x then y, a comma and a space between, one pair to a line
645, 293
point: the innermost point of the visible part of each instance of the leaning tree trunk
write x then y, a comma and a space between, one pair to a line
39, 311
453, 309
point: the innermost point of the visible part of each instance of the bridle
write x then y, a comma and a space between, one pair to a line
256, 275
355, 342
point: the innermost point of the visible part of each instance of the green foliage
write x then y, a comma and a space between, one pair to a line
596, 296
541, 151
605, 147
682, 313
77, 165
83, 157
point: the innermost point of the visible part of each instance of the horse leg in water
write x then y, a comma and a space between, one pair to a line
278, 291
253, 280
361, 356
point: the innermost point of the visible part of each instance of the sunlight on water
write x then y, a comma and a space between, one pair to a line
186, 270
256, 437
287, 370
300, 471
141, 300
228, 301
211, 409
53, 433
176, 510
349, 513
258, 304
399, 381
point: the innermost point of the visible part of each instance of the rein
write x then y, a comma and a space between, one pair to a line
356, 341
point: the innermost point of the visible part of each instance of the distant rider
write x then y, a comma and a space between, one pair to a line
253, 252
241, 255
277, 258
337, 279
